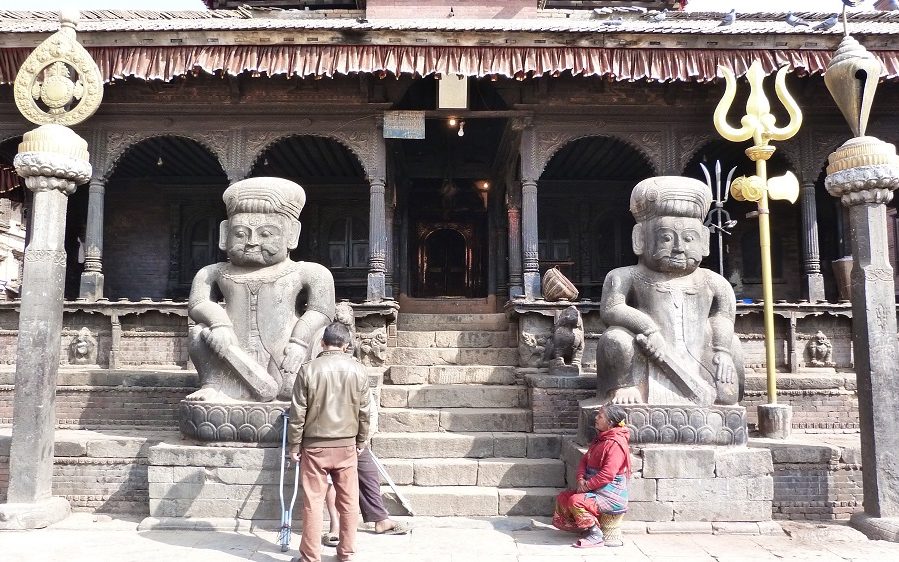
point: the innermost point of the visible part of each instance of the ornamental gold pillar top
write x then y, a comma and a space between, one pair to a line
59, 83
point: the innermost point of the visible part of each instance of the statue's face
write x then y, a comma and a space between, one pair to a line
675, 245
256, 239
82, 346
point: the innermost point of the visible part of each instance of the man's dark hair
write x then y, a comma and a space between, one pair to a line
336, 335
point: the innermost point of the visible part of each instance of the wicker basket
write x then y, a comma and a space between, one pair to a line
557, 287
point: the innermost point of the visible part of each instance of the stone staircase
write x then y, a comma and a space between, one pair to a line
455, 424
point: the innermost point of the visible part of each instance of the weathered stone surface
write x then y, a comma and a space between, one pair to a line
248, 422
527, 501
699, 489
392, 420
194, 474
775, 420
650, 511
187, 455
679, 527
739, 461
423, 356
460, 501
402, 471
472, 374
33, 515
643, 489
446, 472
68, 448
510, 445
485, 419
498, 356
432, 445
113, 448
512, 473
678, 462
159, 474
544, 446
723, 510
235, 475
471, 338
790, 453
736, 528
453, 396
760, 488
406, 338
490, 322
404, 374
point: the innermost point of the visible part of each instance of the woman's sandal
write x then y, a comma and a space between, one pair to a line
397, 529
330, 539
590, 541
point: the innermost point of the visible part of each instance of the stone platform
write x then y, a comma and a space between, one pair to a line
681, 424
246, 422
693, 483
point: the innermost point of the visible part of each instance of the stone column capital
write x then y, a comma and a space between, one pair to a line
864, 171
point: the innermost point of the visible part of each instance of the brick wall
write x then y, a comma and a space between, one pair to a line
820, 401
554, 400
817, 482
98, 400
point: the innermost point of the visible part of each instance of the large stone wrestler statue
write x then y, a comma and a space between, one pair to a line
670, 336
251, 347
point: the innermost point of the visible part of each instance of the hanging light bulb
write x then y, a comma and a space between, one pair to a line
159, 162
265, 161
452, 122
461, 128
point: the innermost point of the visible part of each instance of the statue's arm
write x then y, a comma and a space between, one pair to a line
200, 307
614, 309
318, 283
722, 314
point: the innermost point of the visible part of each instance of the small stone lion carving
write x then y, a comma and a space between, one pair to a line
819, 351
373, 347
566, 347
343, 313
83, 349
531, 348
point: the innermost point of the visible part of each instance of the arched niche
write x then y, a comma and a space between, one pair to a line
335, 218
585, 187
162, 210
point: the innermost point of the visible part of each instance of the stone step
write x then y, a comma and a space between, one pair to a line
503, 472
452, 374
453, 338
472, 445
453, 396
454, 419
472, 501
496, 322
503, 356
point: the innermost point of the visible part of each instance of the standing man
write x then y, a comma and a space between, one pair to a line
329, 426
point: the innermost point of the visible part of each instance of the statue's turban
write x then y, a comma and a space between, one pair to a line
265, 195
670, 196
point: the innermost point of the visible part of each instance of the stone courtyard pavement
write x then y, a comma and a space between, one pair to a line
93, 538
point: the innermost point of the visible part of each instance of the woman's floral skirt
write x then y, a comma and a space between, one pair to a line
578, 512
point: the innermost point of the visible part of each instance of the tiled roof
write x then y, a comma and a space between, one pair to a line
707, 23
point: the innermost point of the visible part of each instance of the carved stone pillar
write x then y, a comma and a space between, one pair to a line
863, 173
390, 258
515, 281
531, 266
813, 285
377, 242
92, 276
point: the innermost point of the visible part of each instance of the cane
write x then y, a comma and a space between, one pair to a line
286, 511
383, 471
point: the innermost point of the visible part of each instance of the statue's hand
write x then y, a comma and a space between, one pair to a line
220, 338
294, 357
652, 345
725, 371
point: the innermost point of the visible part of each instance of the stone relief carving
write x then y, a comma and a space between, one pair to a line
565, 348
343, 313
531, 348
819, 351
118, 143
373, 347
83, 349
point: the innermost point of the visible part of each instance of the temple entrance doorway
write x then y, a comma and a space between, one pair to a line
450, 189
443, 264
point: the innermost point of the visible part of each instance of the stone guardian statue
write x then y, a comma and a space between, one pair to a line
670, 336
250, 347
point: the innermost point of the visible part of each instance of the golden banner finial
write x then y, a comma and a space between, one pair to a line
59, 83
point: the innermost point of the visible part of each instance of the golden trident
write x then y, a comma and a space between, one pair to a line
759, 124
